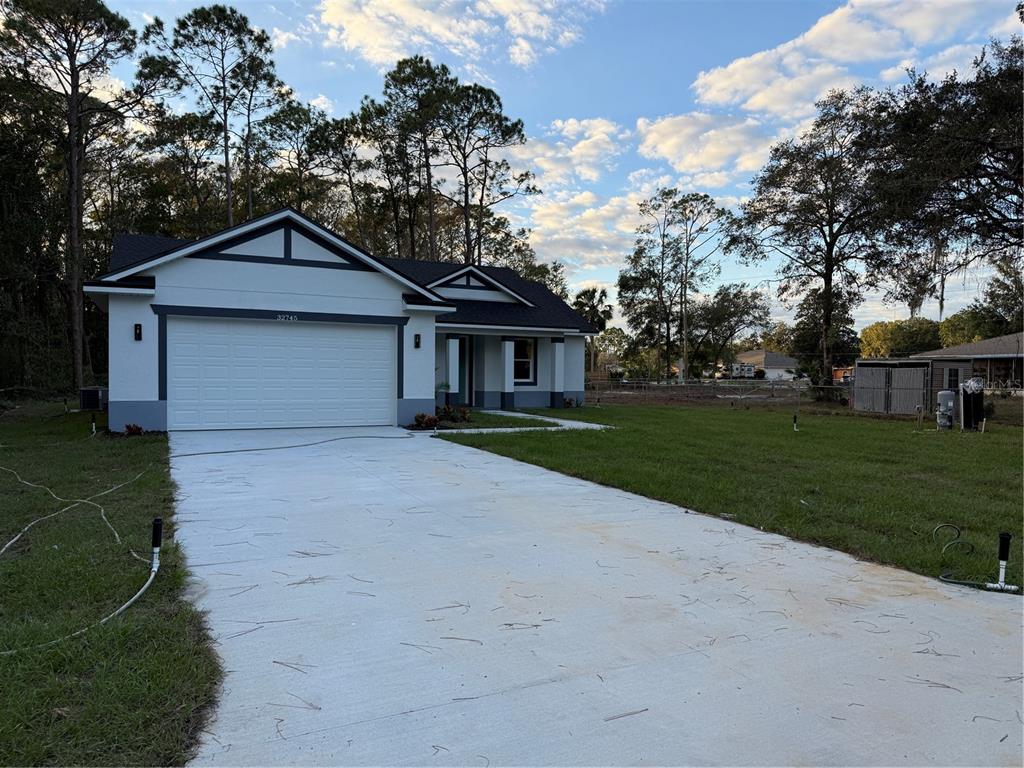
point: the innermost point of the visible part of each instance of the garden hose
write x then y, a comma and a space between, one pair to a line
1003, 554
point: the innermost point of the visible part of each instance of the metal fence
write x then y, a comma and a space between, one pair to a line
904, 395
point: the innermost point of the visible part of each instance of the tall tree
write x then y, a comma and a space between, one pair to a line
209, 52
65, 49
814, 210
842, 340
650, 283
720, 318
475, 130
259, 92
592, 304
701, 224
416, 91
899, 338
297, 136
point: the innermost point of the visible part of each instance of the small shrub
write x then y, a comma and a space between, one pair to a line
132, 430
568, 402
424, 421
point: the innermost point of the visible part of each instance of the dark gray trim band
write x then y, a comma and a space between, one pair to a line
557, 399
280, 315
161, 344
400, 352
557, 339
287, 261
288, 242
508, 401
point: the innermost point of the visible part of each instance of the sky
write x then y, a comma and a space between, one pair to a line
620, 97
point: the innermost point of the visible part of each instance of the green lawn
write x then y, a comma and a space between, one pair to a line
871, 487
134, 691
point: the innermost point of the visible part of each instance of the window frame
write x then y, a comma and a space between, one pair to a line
950, 371
532, 379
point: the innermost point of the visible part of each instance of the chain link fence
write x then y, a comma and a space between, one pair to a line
1005, 403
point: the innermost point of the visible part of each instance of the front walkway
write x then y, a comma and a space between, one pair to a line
381, 599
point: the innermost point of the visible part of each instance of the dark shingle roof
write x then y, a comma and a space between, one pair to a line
1012, 344
131, 249
549, 311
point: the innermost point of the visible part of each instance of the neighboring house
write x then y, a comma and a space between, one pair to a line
279, 322
999, 361
903, 385
775, 366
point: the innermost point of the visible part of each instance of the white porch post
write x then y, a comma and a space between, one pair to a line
557, 372
508, 378
452, 366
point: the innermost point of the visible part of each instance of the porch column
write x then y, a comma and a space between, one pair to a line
452, 367
508, 377
557, 372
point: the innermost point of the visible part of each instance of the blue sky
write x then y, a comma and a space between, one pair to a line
621, 97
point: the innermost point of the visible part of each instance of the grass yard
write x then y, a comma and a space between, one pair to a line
870, 487
134, 691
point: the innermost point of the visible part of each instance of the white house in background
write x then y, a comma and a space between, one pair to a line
775, 366
279, 322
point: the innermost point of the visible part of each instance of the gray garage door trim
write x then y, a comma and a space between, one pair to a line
290, 317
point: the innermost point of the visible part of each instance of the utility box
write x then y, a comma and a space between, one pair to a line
972, 403
92, 398
944, 411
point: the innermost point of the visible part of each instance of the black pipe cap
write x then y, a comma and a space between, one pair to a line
1004, 546
158, 531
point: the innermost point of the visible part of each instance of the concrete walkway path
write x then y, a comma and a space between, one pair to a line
379, 599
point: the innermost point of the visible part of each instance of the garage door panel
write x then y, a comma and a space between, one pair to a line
230, 374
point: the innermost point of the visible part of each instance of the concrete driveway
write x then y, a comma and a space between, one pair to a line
400, 600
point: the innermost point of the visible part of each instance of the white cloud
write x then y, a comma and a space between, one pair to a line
698, 142
324, 103
926, 21
1009, 25
383, 31
280, 38
573, 149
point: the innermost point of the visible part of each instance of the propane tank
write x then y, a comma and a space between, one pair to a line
944, 410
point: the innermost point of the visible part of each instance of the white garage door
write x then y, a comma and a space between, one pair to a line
232, 374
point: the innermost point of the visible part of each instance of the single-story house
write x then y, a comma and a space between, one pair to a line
999, 361
902, 385
775, 365
279, 322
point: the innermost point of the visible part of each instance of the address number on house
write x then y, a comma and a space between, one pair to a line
288, 318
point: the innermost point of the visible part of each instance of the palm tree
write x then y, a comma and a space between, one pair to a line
592, 304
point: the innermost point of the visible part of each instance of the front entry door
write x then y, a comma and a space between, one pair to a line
466, 383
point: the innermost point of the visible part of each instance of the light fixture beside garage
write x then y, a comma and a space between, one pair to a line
416, 341
138, 331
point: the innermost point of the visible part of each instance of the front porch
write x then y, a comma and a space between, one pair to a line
497, 370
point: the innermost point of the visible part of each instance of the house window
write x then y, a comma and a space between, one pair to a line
524, 361
952, 378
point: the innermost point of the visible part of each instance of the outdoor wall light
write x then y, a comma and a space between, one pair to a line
416, 341
138, 331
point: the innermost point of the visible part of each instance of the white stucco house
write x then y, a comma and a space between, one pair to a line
279, 322
776, 366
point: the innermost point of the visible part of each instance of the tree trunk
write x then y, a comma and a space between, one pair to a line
355, 205
684, 362
431, 215
827, 302
73, 254
467, 217
247, 161
227, 167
